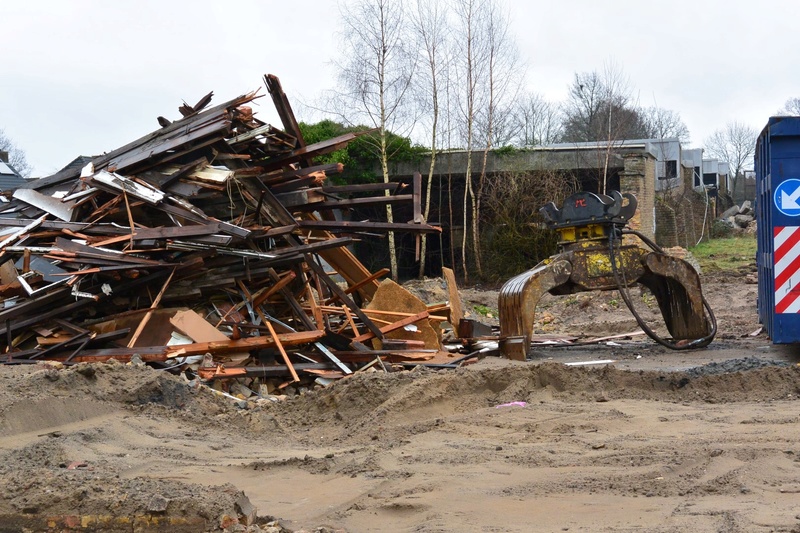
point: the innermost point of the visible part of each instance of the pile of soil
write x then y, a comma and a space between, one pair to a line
65, 451
93, 444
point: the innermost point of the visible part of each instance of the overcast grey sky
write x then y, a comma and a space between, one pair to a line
82, 77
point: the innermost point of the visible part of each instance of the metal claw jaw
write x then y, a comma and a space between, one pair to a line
586, 224
517, 304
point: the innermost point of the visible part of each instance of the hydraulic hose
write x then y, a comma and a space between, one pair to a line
622, 285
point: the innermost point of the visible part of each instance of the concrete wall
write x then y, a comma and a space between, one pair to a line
455, 162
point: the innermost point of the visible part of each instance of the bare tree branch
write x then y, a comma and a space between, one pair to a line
736, 145
376, 73
16, 156
790, 108
535, 121
660, 123
429, 21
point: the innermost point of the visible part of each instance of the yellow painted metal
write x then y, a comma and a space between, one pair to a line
579, 233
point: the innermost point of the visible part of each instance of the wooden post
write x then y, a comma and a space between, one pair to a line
146, 318
282, 350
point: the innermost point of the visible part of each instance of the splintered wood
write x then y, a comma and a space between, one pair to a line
214, 244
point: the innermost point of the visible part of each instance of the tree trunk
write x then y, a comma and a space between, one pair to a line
424, 237
389, 214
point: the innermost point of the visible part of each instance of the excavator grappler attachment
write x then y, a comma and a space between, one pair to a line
592, 257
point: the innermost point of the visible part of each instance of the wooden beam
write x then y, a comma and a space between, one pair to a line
393, 326
353, 288
344, 204
284, 355
153, 307
354, 226
362, 187
245, 344
334, 287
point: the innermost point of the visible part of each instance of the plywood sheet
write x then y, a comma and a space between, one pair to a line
392, 297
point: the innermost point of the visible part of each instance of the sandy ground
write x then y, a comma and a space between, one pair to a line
658, 441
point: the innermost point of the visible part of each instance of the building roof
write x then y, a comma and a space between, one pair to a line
647, 145
9, 178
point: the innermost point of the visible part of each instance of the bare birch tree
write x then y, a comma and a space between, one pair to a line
375, 76
502, 84
469, 68
430, 25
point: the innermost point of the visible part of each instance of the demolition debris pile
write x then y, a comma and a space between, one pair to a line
211, 242
739, 219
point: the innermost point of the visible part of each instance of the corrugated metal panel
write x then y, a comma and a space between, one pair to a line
777, 165
10, 182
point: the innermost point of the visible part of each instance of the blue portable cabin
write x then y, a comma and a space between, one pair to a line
777, 165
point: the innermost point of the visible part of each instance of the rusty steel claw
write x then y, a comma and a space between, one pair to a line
592, 257
517, 305
676, 286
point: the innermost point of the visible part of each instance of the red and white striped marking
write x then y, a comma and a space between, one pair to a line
787, 269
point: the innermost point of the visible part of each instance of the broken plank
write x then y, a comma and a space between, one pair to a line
67, 246
285, 112
362, 187
346, 225
288, 175
354, 202
282, 351
153, 307
395, 325
274, 371
246, 344
90, 228
335, 360
22, 231
310, 151
456, 310
353, 288
334, 287
173, 232
116, 183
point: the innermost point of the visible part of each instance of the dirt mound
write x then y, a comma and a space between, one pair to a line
44, 491
733, 365
101, 388
120, 447
58, 426
364, 405
429, 290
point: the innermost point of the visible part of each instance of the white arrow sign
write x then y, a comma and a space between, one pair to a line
789, 201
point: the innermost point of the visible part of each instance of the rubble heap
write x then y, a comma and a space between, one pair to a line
740, 219
211, 242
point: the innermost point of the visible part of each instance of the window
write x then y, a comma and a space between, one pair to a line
710, 178
672, 169
667, 170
